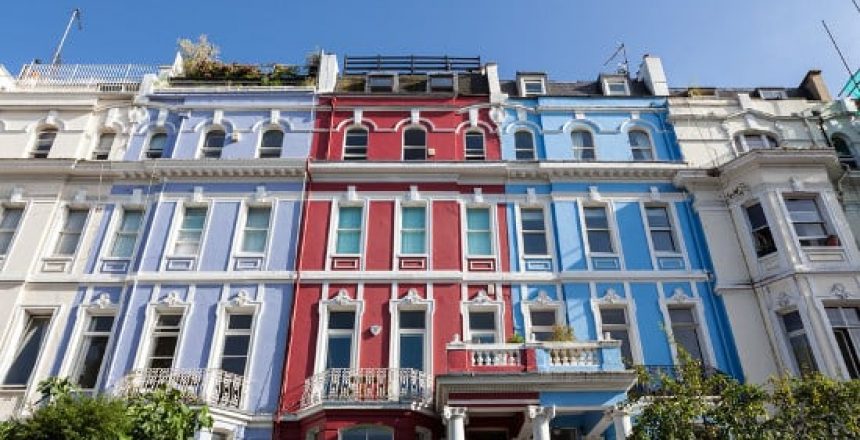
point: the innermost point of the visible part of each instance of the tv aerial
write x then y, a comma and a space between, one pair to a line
76, 17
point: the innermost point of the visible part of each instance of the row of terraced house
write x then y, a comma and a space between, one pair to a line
414, 248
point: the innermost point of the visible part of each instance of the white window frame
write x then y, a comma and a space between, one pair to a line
578, 152
243, 220
241, 304
262, 135
534, 143
752, 230
612, 225
14, 234
785, 338
226, 331
178, 218
116, 229
341, 302
146, 347
336, 205
411, 302
403, 145
681, 299
398, 230
35, 152
547, 230
451, 75
474, 157
651, 147
483, 302
608, 82
84, 318
672, 229
203, 150
61, 230
147, 150
543, 303
823, 214
464, 209
352, 156
13, 341
739, 141
536, 79
390, 430
97, 148
392, 76
612, 300
841, 305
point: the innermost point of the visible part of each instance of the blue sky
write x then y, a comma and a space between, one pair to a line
702, 42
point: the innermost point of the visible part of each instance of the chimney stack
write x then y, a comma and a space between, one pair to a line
651, 72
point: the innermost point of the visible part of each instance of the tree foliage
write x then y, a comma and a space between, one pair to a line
692, 405
64, 413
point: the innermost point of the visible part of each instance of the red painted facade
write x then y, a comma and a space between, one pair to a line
376, 281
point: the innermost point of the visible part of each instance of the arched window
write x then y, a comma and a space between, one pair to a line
583, 145
44, 142
754, 141
414, 144
524, 145
355, 144
640, 145
367, 433
843, 150
157, 143
103, 147
270, 146
213, 145
474, 141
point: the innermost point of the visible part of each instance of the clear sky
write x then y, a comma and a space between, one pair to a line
702, 42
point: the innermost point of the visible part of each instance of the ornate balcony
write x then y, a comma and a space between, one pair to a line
350, 386
106, 78
536, 357
211, 386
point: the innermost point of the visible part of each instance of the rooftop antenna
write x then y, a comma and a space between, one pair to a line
624, 66
851, 75
76, 16
856, 5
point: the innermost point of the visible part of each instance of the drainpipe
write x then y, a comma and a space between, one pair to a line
306, 182
332, 107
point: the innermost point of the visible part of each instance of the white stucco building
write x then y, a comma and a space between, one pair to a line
766, 185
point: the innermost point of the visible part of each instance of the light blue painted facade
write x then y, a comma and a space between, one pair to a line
635, 277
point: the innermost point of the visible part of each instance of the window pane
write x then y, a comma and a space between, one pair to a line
474, 143
663, 241
599, 241
792, 321
803, 353
356, 137
11, 217
158, 141
91, 363
533, 87
688, 339
412, 351
414, 137
273, 139
478, 218
105, 142
658, 217
215, 139
123, 246
68, 244
524, 145
169, 320
413, 218
756, 216
681, 315
101, 323
235, 365
341, 320
535, 244
482, 320
348, 242
532, 219
613, 316
349, 217
194, 218
258, 218
412, 319
582, 139
638, 139
339, 351
542, 317
76, 219
28, 351
596, 218
164, 346
240, 322
236, 345
626, 351
479, 243
412, 242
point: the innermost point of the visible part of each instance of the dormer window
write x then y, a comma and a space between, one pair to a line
533, 87
615, 87
440, 83
380, 83
772, 94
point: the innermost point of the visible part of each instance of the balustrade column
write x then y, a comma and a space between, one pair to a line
455, 418
541, 416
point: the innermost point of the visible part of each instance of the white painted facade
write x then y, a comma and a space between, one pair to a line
762, 287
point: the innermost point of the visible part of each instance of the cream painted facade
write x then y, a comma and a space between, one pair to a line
727, 141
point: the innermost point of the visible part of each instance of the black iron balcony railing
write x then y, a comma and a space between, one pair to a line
411, 64
655, 374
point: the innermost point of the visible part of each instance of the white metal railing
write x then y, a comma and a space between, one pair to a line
212, 386
370, 385
495, 355
113, 78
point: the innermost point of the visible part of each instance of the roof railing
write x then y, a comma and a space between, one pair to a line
409, 64
111, 78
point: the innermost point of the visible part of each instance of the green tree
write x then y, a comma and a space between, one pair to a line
64, 413
691, 405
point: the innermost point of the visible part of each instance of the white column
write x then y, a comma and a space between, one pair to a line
455, 418
541, 416
623, 427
